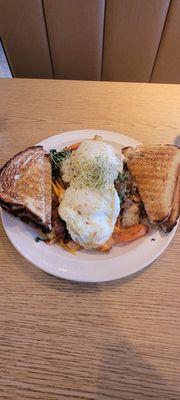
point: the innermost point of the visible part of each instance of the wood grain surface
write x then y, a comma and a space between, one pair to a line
64, 340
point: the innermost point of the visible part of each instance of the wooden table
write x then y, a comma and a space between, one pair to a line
63, 340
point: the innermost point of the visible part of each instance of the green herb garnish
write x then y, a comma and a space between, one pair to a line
57, 158
95, 173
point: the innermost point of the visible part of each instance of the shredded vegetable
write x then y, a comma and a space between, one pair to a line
65, 247
58, 189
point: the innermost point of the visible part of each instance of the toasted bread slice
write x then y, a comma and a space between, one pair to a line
169, 224
155, 170
25, 185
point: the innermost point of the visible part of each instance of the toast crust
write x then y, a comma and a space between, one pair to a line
169, 224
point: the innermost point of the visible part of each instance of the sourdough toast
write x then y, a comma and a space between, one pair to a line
25, 186
155, 170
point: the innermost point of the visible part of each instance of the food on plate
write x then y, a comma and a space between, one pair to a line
89, 195
73, 146
90, 214
155, 169
90, 206
25, 186
128, 234
107, 245
94, 164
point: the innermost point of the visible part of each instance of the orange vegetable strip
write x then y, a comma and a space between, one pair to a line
73, 146
56, 189
125, 235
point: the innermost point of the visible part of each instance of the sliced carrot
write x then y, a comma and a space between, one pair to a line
73, 146
124, 235
107, 245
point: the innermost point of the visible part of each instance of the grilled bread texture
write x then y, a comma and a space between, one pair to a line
25, 186
155, 169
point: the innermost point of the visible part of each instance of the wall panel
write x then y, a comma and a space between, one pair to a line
133, 31
23, 34
75, 29
167, 66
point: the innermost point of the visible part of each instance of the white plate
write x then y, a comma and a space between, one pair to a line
86, 266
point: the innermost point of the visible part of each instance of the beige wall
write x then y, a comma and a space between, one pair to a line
116, 40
